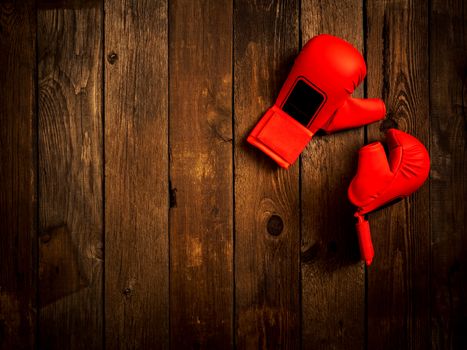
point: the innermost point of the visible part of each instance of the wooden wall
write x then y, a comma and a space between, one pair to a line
134, 215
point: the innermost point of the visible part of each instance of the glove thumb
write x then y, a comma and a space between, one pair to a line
356, 112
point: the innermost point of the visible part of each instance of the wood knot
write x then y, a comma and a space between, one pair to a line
388, 123
275, 225
172, 196
112, 57
310, 253
127, 292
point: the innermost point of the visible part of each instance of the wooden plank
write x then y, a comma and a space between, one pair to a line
399, 278
18, 182
136, 175
448, 96
201, 249
70, 176
267, 208
333, 280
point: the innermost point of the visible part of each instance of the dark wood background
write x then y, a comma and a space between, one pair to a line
134, 215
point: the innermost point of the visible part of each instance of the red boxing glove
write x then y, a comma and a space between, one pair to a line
380, 181
316, 95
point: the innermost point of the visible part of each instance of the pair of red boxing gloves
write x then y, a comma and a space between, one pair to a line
316, 96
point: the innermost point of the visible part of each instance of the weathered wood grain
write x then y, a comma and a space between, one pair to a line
136, 175
399, 278
267, 207
70, 176
18, 178
448, 98
201, 249
333, 281
169, 211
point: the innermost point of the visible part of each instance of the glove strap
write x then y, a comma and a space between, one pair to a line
364, 239
280, 136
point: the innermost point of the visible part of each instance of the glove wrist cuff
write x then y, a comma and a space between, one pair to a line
364, 239
279, 136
